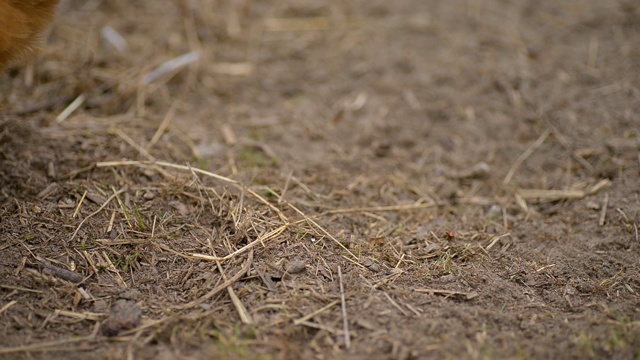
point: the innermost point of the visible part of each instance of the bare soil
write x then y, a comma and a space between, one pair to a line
344, 179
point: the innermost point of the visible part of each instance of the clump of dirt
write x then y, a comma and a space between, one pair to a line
288, 179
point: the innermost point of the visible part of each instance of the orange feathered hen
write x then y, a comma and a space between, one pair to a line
21, 23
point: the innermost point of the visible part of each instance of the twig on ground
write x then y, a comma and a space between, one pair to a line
449, 293
220, 287
343, 305
95, 213
317, 312
111, 267
19, 288
162, 128
495, 240
322, 327
7, 306
77, 209
143, 151
75, 104
86, 315
245, 317
63, 274
322, 229
396, 305
551, 194
268, 236
603, 211
171, 67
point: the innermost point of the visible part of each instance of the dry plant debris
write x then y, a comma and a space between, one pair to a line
295, 179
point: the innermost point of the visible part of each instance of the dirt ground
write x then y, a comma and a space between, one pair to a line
324, 179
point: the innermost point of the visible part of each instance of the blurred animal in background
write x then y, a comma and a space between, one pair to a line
21, 23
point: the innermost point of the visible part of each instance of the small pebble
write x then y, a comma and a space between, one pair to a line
296, 266
124, 315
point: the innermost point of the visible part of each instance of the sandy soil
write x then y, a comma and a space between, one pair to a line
365, 179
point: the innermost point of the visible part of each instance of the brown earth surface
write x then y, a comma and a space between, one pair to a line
344, 179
